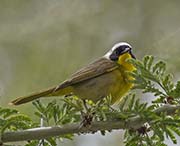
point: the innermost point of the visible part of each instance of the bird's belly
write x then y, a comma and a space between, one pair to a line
112, 84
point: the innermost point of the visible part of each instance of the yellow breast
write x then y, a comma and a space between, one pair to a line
123, 84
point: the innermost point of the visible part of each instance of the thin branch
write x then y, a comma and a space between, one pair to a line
45, 132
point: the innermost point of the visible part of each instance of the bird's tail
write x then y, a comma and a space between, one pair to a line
45, 93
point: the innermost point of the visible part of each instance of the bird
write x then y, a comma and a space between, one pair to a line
107, 76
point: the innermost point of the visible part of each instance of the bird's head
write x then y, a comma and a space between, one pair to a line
120, 53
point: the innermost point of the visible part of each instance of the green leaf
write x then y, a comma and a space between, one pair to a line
170, 134
176, 92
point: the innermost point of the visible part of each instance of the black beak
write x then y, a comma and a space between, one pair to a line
132, 55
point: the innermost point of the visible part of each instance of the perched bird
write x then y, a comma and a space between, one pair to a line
107, 76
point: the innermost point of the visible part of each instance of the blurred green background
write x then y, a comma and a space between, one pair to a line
42, 42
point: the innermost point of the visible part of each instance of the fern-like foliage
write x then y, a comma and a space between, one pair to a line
12, 120
152, 77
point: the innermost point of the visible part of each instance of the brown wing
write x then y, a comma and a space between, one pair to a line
92, 70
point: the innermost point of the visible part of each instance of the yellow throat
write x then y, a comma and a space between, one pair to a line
123, 61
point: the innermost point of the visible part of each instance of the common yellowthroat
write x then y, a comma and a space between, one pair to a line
107, 76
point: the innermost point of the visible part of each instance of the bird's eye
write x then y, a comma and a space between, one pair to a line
116, 52
119, 51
